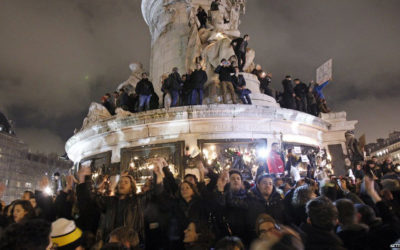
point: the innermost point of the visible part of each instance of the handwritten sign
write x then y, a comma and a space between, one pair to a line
324, 72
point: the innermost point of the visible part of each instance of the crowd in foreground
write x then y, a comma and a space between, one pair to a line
214, 211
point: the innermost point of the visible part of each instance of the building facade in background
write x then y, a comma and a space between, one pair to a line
20, 169
384, 148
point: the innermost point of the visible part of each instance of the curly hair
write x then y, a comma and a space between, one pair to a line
302, 195
27, 206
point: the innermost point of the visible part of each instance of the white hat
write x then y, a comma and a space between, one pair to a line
65, 233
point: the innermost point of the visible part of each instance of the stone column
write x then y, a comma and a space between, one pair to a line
334, 139
169, 29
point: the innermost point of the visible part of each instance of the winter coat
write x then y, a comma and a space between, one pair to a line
317, 239
311, 99
318, 90
238, 81
124, 99
118, 212
264, 84
235, 207
257, 205
241, 45
287, 88
197, 79
174, 82
144, 87
301, 90
202, 16
354, 236
224, 73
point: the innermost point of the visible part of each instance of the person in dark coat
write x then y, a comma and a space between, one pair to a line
225, 70
144, 89
233, 200
107, 102
240, 47
321, 221
381, 233
353, 234
174, 83
263, 198
126, 207
186, 91
202, 16
197, 80
123, 99
312, 106
215, 5
265, 83
240, 85
300, 91
300, 198
288, 93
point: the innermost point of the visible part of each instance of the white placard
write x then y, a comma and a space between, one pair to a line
304, 158
297, 150
324, 72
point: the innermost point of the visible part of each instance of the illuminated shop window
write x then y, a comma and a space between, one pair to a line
245, 155
137, 161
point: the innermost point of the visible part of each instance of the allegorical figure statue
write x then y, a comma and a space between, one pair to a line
353, 148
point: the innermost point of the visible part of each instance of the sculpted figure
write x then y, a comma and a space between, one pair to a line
130, 84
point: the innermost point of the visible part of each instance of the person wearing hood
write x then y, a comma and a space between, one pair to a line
263, 198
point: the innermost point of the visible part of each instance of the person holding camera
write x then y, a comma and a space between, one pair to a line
225, 70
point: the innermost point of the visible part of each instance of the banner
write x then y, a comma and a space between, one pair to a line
324, 72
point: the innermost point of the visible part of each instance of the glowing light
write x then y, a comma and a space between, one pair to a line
151, 167
132, 164
48, 191
263, 153
135, 158
329, 157
209, 162
219, 35
212, 147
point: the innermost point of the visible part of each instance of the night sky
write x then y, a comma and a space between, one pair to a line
57, 56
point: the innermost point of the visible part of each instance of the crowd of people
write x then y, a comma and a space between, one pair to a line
215, 210
188, 89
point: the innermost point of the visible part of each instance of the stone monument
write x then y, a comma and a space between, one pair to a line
120, 141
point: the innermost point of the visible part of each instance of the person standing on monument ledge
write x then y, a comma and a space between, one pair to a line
144, 89
225, 70
240, 46
174, 83
202, 16
300, 90
288, 93
197, 80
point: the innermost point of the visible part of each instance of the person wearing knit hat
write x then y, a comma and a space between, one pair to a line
266, 226
65, 235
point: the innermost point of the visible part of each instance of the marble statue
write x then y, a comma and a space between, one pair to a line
194, 42
353, 148
234, 17
97, 112
130, 84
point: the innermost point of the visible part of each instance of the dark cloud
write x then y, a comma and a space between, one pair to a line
58, 56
